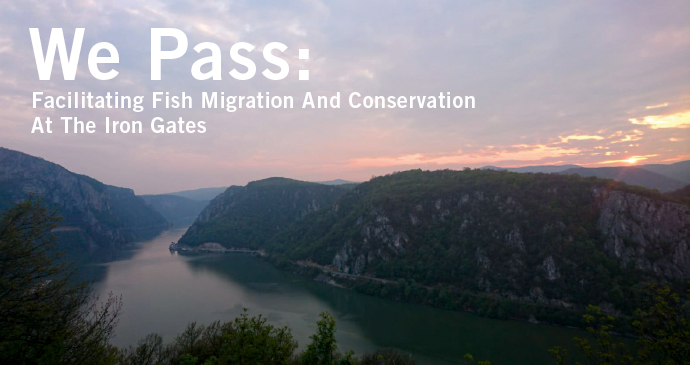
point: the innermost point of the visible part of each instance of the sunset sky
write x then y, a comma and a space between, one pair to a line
586, 82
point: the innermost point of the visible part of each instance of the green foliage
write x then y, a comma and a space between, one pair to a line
149, 350
682, 194
447, 220
663, 333
324, 348
252, 341
246, 340
386, 357
248, 217
604, 349
44, 317
107, 215
469, 359
467, 239
663, 327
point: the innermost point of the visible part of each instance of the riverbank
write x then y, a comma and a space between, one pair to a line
213, 247
441, 296
490, 305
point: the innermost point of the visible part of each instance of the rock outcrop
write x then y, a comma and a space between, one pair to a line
549, 239
109, 216
649, 234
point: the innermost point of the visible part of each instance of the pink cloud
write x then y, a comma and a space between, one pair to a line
523, 152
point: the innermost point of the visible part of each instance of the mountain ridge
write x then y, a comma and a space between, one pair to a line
663, 177
104, 215
559, 241
630, 175
245, 216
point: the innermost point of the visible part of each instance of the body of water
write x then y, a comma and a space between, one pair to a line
163, 291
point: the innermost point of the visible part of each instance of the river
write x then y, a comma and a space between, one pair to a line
163, 291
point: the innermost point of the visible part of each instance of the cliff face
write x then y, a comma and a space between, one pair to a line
108, 215
548, 239
247, 217
651, 235
648, 234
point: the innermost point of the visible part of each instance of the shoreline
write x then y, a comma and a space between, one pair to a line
212, 247
328, 275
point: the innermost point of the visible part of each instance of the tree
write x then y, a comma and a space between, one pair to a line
44, 317
149, 351
253, 341
663, 326
323, 350
663, 332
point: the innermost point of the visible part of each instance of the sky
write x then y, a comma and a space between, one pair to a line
584, 82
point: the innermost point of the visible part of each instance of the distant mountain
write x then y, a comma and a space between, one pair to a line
673, 176
199, 194
679, 170
248, 216
547, 169
630, 175
178, 210
95, 214
336, 182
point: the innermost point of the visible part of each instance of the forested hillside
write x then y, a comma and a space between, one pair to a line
94, 214
554, 240
444, 237
249, 216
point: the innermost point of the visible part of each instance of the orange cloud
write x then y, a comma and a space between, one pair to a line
635, 136
656, 106
677, 120
489, 155
578, 137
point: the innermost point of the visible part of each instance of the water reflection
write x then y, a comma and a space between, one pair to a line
162, 292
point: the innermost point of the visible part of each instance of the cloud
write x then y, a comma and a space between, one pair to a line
523, 153
656, 106
635, 135
552, 83
676, 120
578, 137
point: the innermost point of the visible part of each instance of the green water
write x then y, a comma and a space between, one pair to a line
162, 292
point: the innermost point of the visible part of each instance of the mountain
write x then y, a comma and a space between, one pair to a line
95, 214
681, 194
679, 170
203, 194
630, 175
247, 217
178, 210
478, 240
547, 169
336, 182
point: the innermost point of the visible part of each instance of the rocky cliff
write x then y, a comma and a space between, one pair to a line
554, 240
107, 215
650, 234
